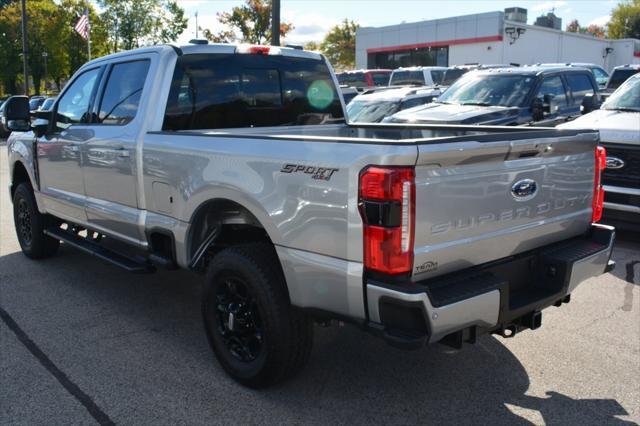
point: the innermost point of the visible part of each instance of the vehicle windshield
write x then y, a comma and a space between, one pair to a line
452, 74
46, 105
406, 78
380, 78
489, 90
619, 76
626, 98
370, 111
35, 103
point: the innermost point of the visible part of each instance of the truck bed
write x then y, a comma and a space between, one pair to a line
465, 212
389, 133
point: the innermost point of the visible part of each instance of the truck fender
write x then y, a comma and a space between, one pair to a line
227, 206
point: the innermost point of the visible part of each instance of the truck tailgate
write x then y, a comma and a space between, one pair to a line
481, 201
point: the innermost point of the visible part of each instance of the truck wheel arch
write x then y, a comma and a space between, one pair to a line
231, 222
18, 176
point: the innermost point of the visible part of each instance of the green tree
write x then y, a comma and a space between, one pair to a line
50, 30
44, 35
311, 45
339, 45
10, 48
134, 23
625, 20
248, 23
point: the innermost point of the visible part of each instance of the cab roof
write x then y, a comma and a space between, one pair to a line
532, 70
419, 68
219, 48
627, 66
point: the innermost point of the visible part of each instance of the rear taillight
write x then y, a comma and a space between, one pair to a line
598, 191
387, 206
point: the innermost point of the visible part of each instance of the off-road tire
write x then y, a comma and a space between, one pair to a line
287, 332
30, 225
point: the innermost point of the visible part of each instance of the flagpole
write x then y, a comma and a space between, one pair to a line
88, 34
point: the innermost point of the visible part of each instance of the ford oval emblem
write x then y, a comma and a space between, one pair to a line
614, 163
524, 189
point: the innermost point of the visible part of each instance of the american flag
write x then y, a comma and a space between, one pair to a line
82, 26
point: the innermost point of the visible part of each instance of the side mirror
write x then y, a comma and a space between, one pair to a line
589, 103
40, 126
16, 113
537, 109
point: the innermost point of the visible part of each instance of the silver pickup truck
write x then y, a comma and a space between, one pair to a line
237, 161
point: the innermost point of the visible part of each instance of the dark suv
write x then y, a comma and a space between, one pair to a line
511, 96
620, 75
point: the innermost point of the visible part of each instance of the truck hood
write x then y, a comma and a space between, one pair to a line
466, 114
614, 126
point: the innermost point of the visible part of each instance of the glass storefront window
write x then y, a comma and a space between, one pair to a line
422, 56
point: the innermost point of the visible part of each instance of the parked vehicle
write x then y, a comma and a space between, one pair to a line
4, 130
47, 104
619, 124
348, 93
620, 75
373, 106
452, 74
417, 76
364, 78
35, 102
599, 73
510, 96
415, 233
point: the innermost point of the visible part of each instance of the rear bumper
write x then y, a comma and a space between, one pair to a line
504, 295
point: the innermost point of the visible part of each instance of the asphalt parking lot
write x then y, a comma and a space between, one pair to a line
82, 342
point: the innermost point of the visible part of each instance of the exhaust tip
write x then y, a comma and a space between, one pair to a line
508, 331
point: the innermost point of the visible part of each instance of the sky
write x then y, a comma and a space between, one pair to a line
313, 18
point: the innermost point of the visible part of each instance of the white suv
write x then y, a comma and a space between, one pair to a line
417, 76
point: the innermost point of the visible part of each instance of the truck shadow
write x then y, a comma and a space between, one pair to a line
143, 334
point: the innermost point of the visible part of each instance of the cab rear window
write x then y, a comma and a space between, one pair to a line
213, 91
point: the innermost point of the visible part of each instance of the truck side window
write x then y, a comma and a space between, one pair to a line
122, 93
74, 104
553, 87
580, 85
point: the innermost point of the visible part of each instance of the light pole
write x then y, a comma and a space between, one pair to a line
25, 50
45, 55
275, 22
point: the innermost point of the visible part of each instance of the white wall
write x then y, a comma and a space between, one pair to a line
482, 53
545, 45
537, 44
623, 51
437, 30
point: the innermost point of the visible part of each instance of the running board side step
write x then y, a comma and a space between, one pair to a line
127, 263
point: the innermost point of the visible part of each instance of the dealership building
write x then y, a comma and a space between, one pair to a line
487, 38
